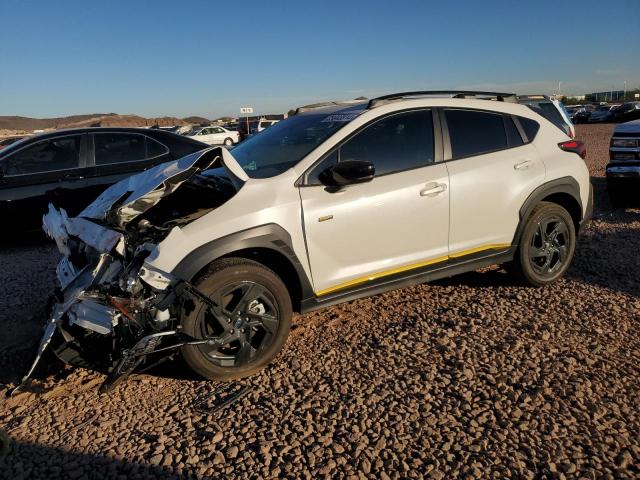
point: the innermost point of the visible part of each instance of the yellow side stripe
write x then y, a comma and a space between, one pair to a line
375, 276
493, 246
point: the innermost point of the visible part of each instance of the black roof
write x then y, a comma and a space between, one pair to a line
160, 135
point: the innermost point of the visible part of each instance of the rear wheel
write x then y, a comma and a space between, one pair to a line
547, 245
253, 312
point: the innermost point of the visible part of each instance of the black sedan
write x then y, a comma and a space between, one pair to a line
72, 167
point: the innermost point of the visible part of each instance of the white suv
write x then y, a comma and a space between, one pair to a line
211, 254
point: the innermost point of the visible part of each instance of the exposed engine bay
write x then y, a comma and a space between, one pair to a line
109, 312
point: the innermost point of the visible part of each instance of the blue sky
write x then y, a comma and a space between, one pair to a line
209, 58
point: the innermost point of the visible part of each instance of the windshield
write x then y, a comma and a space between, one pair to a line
285, 143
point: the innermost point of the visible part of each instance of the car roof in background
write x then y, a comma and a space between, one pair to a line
150, 132
628, 127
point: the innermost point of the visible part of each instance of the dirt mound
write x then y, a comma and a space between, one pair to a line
196, 120
26, 124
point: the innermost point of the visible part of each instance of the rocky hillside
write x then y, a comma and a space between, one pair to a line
26, 124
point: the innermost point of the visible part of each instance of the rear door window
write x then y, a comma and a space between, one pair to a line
60, 153
118, 148
474, 132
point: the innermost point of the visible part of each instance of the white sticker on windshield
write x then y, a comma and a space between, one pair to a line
341, 117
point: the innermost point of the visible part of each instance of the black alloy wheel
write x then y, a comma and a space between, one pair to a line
247, 312
549, 247
250, 316
546, 246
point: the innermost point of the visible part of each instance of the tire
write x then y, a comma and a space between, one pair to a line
547, 246
264, 304
228, 142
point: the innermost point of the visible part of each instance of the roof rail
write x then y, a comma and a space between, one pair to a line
313, 106
533, 97
500, 97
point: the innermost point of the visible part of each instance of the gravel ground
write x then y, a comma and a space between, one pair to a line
470, 377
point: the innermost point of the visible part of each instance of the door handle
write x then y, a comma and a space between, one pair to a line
522, 165
432, 189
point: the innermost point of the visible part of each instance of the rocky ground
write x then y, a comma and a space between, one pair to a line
472, 377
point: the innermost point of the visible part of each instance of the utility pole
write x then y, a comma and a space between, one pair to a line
624, 95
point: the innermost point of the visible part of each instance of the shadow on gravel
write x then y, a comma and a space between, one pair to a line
608, 256
26, 460
24, 239
479, 279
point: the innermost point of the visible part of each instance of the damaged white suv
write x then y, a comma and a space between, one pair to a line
209, 256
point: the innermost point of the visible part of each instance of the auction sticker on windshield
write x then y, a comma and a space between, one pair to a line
341, 117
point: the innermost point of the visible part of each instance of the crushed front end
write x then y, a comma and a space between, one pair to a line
109, 312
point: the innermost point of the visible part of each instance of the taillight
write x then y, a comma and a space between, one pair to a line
575, 146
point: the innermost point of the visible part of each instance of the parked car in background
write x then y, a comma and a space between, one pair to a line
551, 109
578, 113
571, 111
601, 114
623, 169
263, 124
215, 135
626, 112
5, 142
255, 126
72, 167
582, 114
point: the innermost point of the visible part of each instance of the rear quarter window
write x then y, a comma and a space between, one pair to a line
530, 127
549, 111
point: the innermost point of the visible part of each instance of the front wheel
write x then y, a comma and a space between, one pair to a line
228, 142
546, 247
253, 312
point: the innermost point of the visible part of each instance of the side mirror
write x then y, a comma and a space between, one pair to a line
352, 171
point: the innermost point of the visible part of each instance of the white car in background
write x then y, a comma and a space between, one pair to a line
215, 136
264, 124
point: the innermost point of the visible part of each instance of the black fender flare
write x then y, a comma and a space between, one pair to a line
269, 236
567, 185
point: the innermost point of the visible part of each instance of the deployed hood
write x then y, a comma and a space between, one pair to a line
133, 196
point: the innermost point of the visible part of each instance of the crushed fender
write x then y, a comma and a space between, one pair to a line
113, 312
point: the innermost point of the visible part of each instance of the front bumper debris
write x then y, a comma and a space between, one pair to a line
113, 312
